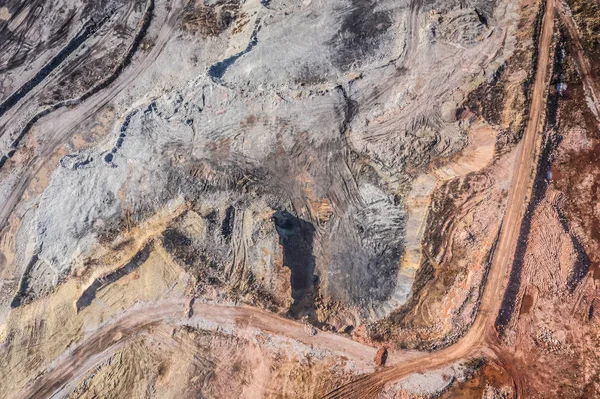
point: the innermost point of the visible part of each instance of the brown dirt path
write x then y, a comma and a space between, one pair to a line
102, 343
482, 333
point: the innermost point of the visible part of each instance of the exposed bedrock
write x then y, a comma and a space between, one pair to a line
292, 149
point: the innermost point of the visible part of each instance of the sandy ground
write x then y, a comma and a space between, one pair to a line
101, 344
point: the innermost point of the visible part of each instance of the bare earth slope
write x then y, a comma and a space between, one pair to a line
269, 199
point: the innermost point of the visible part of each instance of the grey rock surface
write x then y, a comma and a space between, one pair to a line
320, 112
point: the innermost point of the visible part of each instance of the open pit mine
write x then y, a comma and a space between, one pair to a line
354, 199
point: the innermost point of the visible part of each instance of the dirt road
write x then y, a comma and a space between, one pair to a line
482, 333
101, 344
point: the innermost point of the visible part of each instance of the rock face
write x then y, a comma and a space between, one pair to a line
284, 120
336, 163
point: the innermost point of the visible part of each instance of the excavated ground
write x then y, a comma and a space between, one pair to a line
555, 321
258, 199
550, 328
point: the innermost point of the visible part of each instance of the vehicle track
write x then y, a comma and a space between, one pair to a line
73, 117
144, 24
54, 70
88, 30
413, 42
482, 335
102, 343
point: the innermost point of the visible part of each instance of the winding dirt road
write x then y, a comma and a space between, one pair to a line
101, 344
482, 337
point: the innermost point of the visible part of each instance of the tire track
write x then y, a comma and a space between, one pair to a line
85, 110
102, 343
481, 338
583, 63
86, 32
144, 25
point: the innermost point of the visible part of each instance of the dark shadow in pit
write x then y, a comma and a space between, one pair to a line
217, 71
296, 237
89, 294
